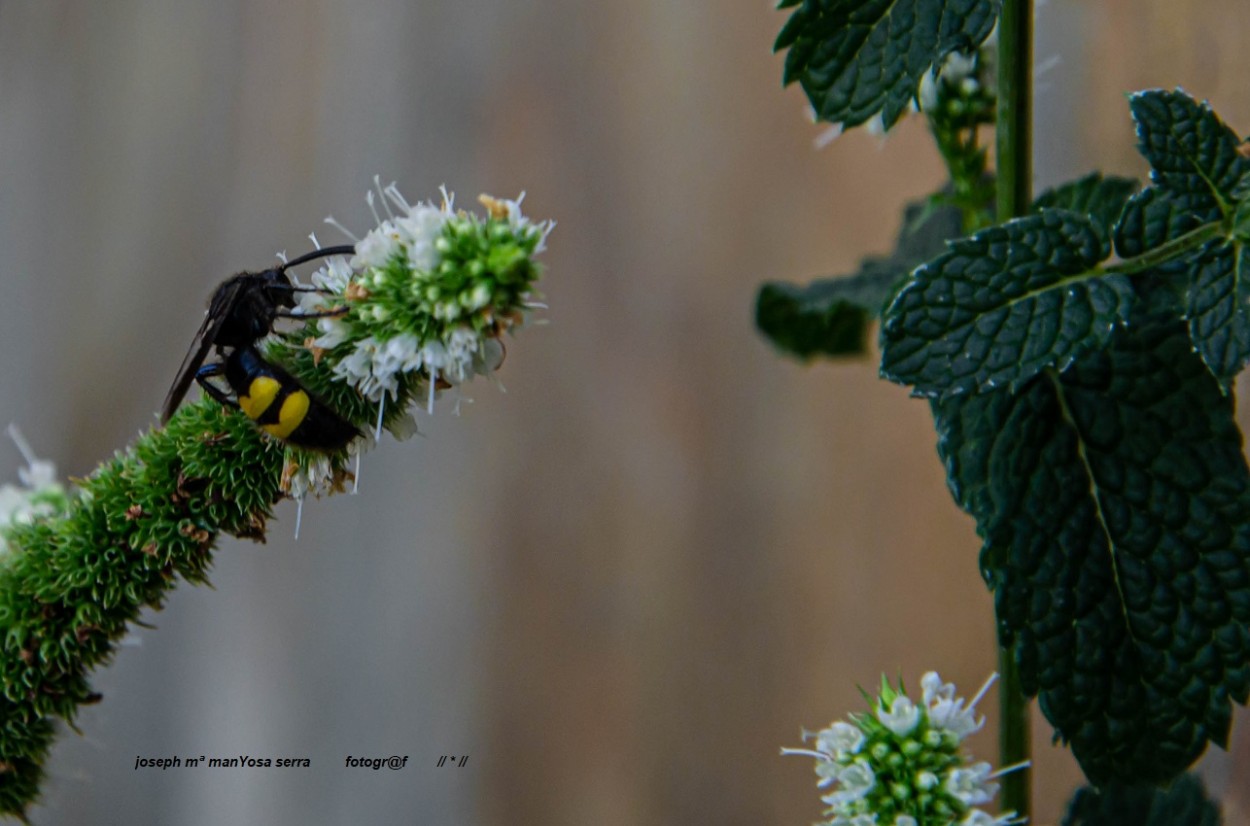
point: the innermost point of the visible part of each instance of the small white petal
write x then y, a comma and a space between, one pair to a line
840, 739
901, 717
854, 781
970, 786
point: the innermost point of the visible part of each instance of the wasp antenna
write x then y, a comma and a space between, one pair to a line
324, 252
330, 219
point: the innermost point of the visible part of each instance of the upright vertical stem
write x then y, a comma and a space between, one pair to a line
1014, 151
1014, 133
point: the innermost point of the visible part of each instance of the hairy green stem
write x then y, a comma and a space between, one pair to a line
70, 586
1014, 138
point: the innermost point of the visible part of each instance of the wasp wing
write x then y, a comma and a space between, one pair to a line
219, 309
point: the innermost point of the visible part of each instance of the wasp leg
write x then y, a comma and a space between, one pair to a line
207, 372
337, 311
298, 288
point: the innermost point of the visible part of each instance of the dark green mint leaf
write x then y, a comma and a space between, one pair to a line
1114, 505
927, 227
831, 316
1184, 803
1001, 306
1211, 285
1219, 308
828, 317
1101, 198
1190, 150
1241, 219
1156, 215
855, 58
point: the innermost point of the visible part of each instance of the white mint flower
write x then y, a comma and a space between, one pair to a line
38, 473
316, 475
928, 92
511, 210
970, 786
958, 66
840, 739
827, 771
462, 347
854, 781
433, 292
858, 761
976, 817
378, 247
15, 505
902, 716
332, 277
854, 820
39, 495
948, 712
333, 333
958, 69
420, 230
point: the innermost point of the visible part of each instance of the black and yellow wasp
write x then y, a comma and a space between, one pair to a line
241, 312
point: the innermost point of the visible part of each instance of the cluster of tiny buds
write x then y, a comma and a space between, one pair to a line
421, 304
903, 765
429, 292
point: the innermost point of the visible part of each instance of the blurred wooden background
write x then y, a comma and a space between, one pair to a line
618, 587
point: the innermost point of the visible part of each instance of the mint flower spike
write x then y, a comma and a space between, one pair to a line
903, 764
427, 297
421, 307
40, 494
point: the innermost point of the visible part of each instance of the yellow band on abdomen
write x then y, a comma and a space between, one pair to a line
294, 409
260, 394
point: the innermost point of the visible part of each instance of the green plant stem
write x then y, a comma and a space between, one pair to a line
1168, 251
1014, 132
1014, 161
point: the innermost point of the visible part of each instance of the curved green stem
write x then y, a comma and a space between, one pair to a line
1014, 138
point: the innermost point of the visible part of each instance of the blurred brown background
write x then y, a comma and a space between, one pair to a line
618, 587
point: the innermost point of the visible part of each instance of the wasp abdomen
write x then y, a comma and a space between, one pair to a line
272, 398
